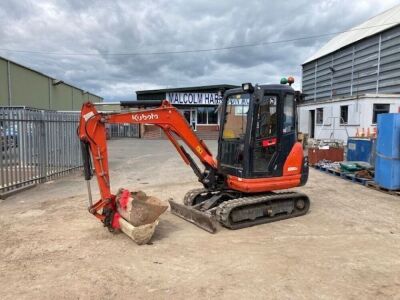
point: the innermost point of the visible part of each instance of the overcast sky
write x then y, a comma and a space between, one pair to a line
105, 28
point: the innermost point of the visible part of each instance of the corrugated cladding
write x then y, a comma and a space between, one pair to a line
34, 89
3, 82
371, 65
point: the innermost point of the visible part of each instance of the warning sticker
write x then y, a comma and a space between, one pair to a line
88, 115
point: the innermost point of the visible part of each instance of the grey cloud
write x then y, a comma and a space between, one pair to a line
105, 27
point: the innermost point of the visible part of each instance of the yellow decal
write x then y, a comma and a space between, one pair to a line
199, 149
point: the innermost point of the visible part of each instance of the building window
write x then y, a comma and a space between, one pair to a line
202, 115
344, 114
320, 115
212, 116
207, 115
379, 109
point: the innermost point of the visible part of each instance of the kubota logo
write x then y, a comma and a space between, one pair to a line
144, 117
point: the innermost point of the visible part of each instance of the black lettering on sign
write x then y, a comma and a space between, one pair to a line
211, 99
199, 98
190, 98
170, 98
206, 99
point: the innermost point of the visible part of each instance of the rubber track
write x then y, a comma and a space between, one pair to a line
224, 209
192, 194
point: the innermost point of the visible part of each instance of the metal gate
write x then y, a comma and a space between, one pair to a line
123, 130
36, 146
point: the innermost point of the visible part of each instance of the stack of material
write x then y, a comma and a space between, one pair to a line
322, 144
367, 174
360, 169
328, 164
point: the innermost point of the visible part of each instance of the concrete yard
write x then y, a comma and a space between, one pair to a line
346, 247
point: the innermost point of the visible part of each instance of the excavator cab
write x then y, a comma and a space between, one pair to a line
258, 154
257, 130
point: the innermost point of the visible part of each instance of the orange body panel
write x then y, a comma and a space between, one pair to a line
294, 161
290, 179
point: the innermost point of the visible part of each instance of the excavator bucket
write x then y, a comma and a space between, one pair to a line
139, 209
139, 214
204, 220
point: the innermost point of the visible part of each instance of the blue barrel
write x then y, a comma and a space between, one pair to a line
360, 149
387, 166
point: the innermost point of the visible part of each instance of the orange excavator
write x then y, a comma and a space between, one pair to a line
258, 154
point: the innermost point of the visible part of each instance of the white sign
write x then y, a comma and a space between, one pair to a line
239, 101
194, 98
88, 115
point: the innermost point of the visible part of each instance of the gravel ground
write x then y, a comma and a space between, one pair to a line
347, 246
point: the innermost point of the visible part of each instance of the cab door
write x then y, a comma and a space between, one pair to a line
265, 137
274, 134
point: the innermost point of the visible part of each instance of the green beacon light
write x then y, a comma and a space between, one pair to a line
284, 80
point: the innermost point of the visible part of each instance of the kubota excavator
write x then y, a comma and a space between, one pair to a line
258, 154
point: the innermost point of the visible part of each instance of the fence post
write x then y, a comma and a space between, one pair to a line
43, 148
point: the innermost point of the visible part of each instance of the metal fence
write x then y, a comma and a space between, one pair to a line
123, 130
36, 146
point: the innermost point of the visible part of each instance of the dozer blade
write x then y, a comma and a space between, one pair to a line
203, 220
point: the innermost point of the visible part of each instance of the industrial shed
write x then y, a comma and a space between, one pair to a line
22, 86
38, 121
352, 78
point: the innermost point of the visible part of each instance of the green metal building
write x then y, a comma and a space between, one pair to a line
22, 86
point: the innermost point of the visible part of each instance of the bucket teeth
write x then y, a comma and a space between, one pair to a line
201, 219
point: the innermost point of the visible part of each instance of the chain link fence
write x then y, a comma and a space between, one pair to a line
36, 146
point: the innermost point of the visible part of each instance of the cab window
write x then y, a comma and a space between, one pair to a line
236, 117
266, 125
288, 114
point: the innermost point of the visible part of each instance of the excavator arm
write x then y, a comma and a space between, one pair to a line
92, 133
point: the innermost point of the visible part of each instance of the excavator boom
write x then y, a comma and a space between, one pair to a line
92, 133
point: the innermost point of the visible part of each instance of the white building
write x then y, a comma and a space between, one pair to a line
340, 118
352, 79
